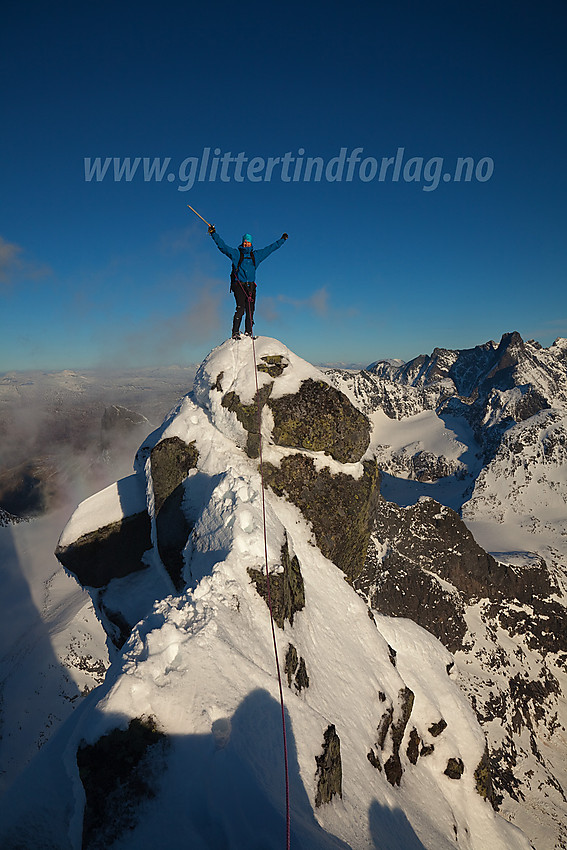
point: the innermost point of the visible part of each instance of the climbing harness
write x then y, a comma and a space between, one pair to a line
234, 271
288, 819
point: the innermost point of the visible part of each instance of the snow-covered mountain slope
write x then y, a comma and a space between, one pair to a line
482, 431
184, 738
52, 645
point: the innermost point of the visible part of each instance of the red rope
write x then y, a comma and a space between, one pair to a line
288, 819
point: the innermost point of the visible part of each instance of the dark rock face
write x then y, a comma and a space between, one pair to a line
171, 462
116, 776
7, 518
329, 768
393, 766
412, 751
437, 728
320, 418
287, 591
397, 588
273, 365
339, 507
317, 417
483, 780
248, 416
425, 466
410, 546
113, 551
295, 667
436, 538
392, 727
455, 768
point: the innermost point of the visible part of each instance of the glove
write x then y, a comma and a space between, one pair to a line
285, 236
211, 228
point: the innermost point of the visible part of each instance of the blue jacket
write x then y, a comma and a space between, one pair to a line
247, 270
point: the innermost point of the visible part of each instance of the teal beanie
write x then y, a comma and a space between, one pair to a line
247, 238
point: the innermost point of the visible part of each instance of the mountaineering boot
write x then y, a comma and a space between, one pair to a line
248, 334
236, 336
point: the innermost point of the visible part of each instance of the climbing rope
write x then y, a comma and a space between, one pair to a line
259, 408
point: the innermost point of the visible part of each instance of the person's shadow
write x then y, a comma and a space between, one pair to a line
391, 830
227, 789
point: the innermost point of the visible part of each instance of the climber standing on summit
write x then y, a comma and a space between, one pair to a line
243, 276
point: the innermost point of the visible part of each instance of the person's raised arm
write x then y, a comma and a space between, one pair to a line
231, 253
262, 253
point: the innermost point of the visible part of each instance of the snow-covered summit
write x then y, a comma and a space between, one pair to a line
384, 750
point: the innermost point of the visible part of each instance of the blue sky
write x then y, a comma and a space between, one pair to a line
121, 273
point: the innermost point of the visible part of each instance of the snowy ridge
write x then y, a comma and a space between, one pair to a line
200, 662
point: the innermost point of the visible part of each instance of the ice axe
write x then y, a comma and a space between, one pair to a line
200, 216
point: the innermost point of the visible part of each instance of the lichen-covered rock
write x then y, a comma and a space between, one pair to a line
329, 768
320, 418
296, 669
455, 768
437, 728
249, 416
291, 662
171, 462
117, 779
113, 551
339, 507
412, 750
384, 726
287, 591
393, 766
273, 365
483, 780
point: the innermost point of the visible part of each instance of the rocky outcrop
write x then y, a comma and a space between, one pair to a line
7, 518
320, 418
171, 462
113, 551
249, 415
295, 669
390, 733
340, 508
329, 768
317, 418
455, 768
424, 563
286, 592
118, 773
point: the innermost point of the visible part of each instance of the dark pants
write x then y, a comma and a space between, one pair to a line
245, 296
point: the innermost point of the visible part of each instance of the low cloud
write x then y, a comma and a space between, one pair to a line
9, 259
317, 302
13, 266
161, 339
